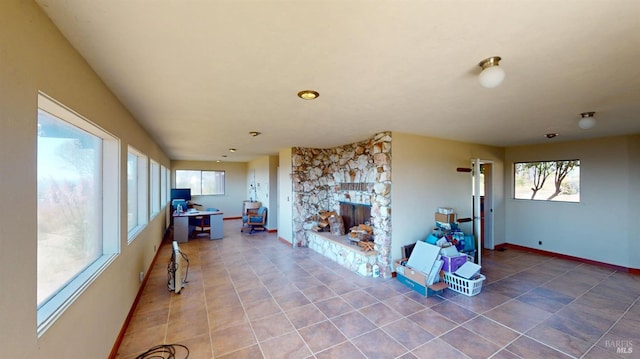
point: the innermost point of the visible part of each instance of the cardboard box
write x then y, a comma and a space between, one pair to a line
414, 275
423, 256
468, 270
417, 280
451, 264
445, 218
445, 210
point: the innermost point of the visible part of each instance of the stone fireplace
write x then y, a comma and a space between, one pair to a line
349, 180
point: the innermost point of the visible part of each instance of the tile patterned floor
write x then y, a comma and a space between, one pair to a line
251, 296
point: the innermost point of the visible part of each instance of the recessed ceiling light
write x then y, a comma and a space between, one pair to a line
308, 95
255, 133
232, 150
551, 135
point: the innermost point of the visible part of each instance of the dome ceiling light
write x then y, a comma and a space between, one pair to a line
587, 121
492, 75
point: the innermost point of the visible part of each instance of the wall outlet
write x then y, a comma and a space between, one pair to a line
141, 276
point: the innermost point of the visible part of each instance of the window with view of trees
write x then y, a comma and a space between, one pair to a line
78, 206
548, 180
201, 182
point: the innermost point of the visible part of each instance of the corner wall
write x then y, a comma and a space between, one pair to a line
262, 173
634, 200
425, 178
285, 195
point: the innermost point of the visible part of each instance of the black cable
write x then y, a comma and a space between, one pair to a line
171, 269
186, 273
158, 351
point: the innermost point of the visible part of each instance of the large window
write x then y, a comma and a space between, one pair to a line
136, 192
548, 180
201, 182
155, 188
78, 199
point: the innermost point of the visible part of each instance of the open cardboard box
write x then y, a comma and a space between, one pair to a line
417, 280
415, 273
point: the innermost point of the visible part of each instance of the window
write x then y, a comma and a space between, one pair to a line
155, 188
136, 192
201, 182
168, 193
548, 180
163, 186
78, 205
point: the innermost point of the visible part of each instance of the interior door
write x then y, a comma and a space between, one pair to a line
487, 208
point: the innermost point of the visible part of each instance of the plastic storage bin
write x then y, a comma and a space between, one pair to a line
469, 287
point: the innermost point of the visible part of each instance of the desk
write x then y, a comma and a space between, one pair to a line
181, 224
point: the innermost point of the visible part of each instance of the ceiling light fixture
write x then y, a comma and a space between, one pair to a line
587, 121
255, 133
551, 135
308, 95
232, 150
492, 75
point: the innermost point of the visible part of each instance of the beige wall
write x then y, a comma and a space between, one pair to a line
35, 57
598, 228
285, 193
634, 200
262, 173
424, 178
235, 187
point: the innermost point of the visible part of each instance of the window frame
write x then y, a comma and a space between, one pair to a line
551, 183
142, 193
154, 188
163, 186
51, 309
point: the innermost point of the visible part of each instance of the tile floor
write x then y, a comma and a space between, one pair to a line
251, 296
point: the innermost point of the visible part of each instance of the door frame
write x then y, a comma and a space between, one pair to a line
489, 187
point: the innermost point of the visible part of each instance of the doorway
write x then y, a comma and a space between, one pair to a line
482, 199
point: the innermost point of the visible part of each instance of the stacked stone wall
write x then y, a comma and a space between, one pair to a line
356, 173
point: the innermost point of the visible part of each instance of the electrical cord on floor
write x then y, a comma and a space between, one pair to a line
158, 351
186, 273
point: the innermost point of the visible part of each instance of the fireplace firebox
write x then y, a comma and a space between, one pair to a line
354, 214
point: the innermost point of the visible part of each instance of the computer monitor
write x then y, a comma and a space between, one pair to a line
181, 193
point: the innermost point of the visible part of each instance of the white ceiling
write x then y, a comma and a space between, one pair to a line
199, 75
